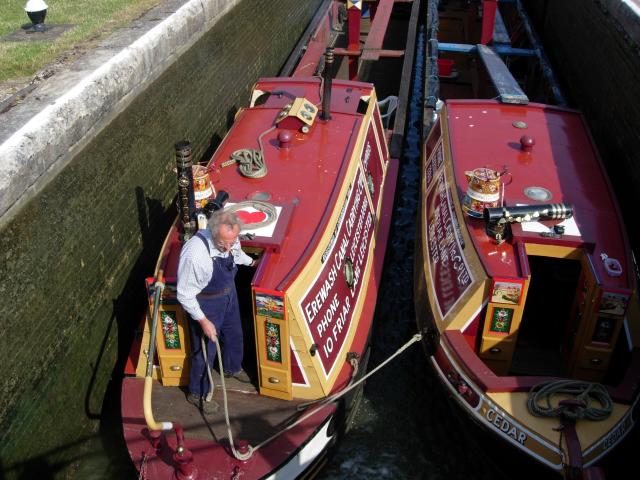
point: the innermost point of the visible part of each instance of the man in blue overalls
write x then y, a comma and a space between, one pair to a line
207, 292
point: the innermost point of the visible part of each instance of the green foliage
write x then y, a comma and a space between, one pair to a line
91, 20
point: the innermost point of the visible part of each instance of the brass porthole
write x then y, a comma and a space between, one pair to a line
348, 272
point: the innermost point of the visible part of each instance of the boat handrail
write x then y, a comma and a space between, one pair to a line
148, 379
183, 455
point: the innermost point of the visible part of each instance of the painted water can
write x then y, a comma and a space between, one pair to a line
483, 190
203, 189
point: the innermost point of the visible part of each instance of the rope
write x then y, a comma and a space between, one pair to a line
142, 475
265, 207
251, 162
240, 456
203, 347
586, 392
354, 365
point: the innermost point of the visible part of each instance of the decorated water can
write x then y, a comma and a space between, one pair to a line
203, 189
483, 190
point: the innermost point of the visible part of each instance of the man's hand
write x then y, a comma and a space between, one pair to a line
208, 328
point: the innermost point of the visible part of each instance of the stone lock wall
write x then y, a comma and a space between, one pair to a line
594, 46
73, 261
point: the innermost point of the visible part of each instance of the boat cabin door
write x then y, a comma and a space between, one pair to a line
557, 319
595, 324
272, 343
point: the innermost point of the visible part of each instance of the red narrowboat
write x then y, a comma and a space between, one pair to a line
307, 166
526, 286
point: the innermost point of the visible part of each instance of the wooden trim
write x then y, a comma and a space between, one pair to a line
399, 126
554, 251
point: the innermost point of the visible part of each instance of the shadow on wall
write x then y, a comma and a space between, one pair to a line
127, 311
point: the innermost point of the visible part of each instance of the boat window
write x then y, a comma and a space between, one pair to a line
363, 104
261, 99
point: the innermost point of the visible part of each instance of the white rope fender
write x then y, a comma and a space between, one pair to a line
246, 456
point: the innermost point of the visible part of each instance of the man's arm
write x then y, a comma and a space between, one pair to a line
241, 258
194, 273
187, 289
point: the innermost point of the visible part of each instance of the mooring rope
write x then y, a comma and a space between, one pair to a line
586, 392
245, 456
251, 162
203, 347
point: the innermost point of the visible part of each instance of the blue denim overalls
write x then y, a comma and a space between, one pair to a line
219, 302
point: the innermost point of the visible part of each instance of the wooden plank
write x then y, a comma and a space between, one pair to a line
375, 37
507, 87
395, 146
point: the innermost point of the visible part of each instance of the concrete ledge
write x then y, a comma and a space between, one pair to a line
41, 135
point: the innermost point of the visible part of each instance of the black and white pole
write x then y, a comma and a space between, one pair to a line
37, 11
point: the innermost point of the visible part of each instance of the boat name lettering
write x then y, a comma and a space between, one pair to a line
366, 156
354, 211
314, 306
356, 246
330, 301
502, 424
615, 436
448, 267
332, 242
337, 327
434, 162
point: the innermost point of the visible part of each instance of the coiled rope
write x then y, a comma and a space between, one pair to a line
251, 162
246, 456
265, 207
539, 400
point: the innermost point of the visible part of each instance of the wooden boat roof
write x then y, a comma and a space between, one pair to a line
563, 160
304, 178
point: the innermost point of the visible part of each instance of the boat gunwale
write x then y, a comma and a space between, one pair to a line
626, 392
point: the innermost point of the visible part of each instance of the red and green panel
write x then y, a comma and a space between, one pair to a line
274, 342
501, 320
170, 331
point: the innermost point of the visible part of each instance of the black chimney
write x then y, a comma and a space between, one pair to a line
186, 201
328, 78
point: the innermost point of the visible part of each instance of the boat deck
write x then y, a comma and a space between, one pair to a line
562, 161
253, 418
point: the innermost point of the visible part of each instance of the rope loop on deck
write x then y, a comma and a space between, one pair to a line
250, 162
578, 406
318, 406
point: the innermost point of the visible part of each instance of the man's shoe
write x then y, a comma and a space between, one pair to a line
241, 376
208, 408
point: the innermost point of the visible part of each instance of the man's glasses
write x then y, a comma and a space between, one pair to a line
225, 245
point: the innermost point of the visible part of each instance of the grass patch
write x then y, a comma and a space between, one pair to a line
93, 20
